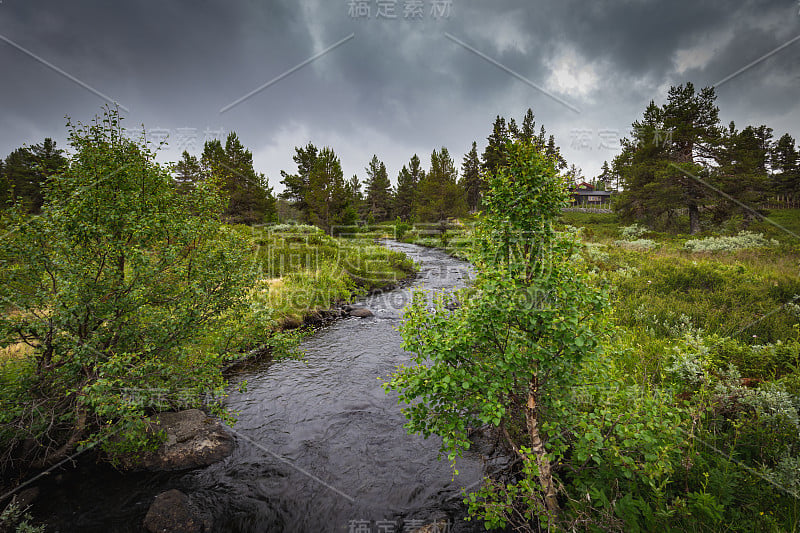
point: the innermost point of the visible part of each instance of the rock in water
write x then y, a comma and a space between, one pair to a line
193, 440
361, 312
174, 512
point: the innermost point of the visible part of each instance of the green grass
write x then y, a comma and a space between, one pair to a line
598, 226
780, 224
300, 273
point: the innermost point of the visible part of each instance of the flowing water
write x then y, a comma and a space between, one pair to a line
319, 445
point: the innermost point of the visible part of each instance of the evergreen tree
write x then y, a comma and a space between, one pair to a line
494, 156
541, 140
404, 195
471, 179
379, 190
649, 192
741, 170
327, 195
27, 169
250, 199
5, 187
574, 175
296, 185
692, 120
354, 203
188, 173
408, 181
605, 177
552, 150
440, 196
785, 162
528, 133
671, 152
513, 130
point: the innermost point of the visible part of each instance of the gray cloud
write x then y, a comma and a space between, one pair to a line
399, 86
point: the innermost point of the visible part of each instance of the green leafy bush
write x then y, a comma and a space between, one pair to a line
511, 349
113, 286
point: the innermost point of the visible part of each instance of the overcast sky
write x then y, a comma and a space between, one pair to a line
391, 78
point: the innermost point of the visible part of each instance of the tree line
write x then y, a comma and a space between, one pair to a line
681, 161
318, 193
680, 167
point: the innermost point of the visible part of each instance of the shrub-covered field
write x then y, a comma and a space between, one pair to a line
689, 419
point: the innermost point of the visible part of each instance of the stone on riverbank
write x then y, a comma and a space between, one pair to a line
193, 440
360, 312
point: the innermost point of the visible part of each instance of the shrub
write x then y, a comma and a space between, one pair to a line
639, 245
632, 232
293, 228
744, 240
113, 285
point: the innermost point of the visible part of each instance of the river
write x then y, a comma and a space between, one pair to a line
319, 445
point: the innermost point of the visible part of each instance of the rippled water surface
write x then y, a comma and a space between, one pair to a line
319, 445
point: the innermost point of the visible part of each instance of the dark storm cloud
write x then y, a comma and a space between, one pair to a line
397, 87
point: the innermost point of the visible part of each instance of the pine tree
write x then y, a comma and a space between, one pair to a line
250, 199
5, 187
408, 181
327, 195
354, 204
440, 196
471, 179
663, 168
494, 156
513, 130
27, 169
574, 175
296, 185
692, 120
741, 170
552, 150
528, 133
785, 162
605, 177
404, 196
188, 173
379, 190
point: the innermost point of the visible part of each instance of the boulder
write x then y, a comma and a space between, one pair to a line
193, 440
361, 312
174, 512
